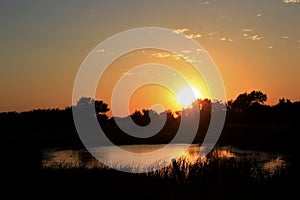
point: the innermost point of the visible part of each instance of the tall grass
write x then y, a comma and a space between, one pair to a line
212, 177
210, 167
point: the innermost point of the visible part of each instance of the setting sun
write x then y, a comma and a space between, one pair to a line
186, 97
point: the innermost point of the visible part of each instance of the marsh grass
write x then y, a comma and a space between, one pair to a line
210, 167
212, 177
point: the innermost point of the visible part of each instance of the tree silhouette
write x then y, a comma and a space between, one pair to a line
245, 100
101, 107
257, 97
88, 102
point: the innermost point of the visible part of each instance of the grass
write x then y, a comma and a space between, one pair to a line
214, 177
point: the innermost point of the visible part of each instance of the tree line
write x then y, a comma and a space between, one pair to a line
56, 127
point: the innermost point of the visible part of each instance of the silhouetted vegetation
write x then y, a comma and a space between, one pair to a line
250, 123
214, 177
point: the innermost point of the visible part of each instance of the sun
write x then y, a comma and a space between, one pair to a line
187, 95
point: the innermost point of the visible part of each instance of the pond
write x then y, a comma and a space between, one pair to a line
56, 158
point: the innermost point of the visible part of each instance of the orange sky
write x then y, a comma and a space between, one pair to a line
151, 94
255, 44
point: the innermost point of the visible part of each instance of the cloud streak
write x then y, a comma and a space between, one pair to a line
161, 55
181, 30
247, 34
247, 30
291, 1
190, 35
194, 36
255, 37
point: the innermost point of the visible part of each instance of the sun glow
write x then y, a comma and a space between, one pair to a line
187, 95
148, 96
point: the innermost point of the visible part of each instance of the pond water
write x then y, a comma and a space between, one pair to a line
56, 158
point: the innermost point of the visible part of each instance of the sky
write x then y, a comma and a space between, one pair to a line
255, 45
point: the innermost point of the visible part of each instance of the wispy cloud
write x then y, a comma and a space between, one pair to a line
176, 57
181, 30
291, 1
168, 55
270, 47
100, 50
186, 51
252, 37
285, 37
212, 35
191, 35
126, 73
247, 34
184, 54
161, 55
255, 37
247, 30
217, 36
259, 15
194, 36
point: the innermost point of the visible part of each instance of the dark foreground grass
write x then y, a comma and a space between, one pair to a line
213, 178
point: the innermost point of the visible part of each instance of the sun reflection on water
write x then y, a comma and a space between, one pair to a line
78, 158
